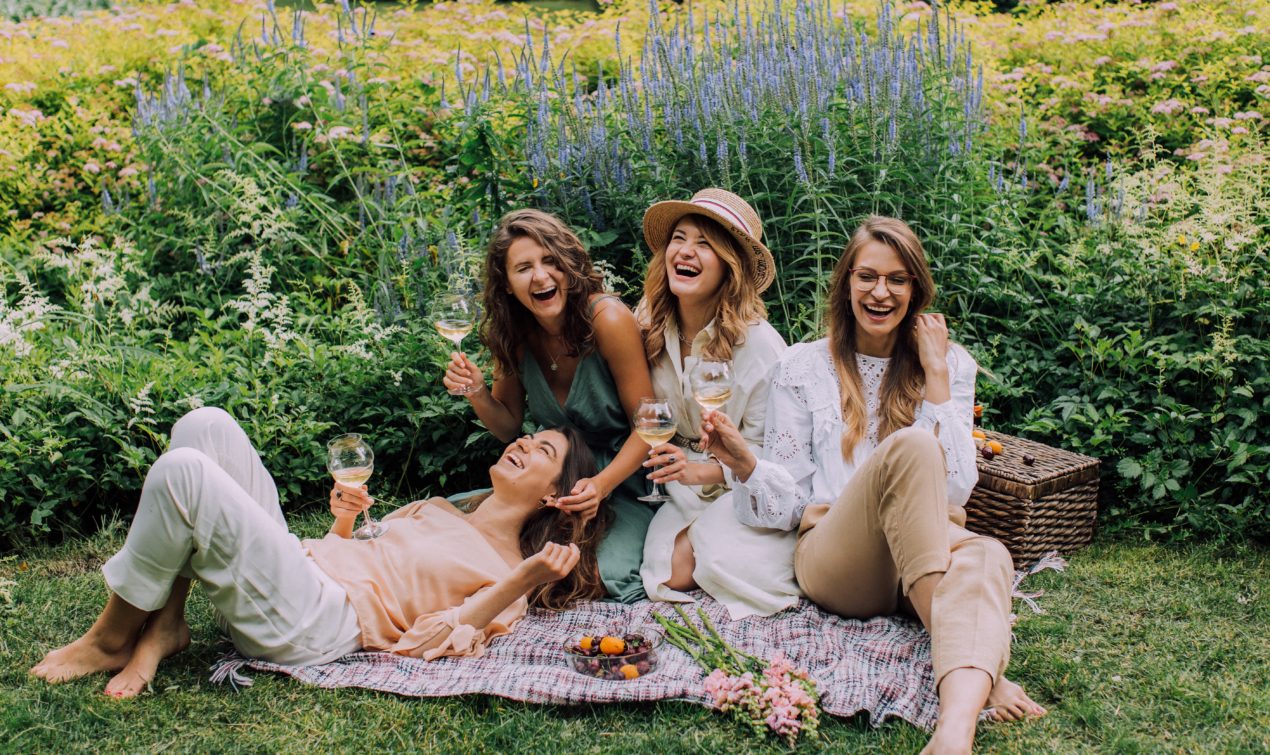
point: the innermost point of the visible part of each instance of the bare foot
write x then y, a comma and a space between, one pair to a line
951, 739
1008, 702
84, 656
159, 640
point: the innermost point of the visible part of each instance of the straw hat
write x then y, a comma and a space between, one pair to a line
730, 211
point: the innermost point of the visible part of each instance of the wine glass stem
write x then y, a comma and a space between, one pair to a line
369, 523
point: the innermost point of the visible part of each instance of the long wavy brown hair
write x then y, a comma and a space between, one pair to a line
904, 382
506, 325
738, 303
551, 525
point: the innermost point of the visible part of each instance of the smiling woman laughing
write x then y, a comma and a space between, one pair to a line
572, 354
439, 582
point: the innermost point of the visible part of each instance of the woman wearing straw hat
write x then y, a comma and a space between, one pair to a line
702, 302
869, 457
571, 354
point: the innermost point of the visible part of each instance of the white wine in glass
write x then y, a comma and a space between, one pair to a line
351, 462
711, 384
454, 316
655, 424
454, 330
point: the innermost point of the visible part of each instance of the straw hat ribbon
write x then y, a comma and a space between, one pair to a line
730, 211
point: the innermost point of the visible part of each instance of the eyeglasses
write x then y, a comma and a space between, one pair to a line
866, 279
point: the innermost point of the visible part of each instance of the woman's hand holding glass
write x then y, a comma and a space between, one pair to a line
654, 422
454, 316
724, 441
347, 502
462, 376
669, 464
351, 462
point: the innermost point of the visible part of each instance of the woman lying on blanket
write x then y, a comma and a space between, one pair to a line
438, 582
573, 354
868, 454
702, 301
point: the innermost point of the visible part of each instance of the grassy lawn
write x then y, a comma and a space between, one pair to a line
1143, 649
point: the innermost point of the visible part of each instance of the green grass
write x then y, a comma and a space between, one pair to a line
1142, 649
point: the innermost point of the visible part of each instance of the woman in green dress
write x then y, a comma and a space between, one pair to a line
574, 356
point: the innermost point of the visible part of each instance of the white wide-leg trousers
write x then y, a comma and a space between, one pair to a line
209, 510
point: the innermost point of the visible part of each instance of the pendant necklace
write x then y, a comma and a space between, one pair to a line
554, 366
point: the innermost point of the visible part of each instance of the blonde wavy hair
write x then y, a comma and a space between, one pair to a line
904, 382
739, 302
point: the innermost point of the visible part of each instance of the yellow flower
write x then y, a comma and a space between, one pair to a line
1181, 239
1194, 246
535, 183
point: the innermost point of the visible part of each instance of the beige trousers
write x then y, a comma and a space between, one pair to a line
890, 527
209, 510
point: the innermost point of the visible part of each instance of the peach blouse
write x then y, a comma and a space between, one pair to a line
408, 586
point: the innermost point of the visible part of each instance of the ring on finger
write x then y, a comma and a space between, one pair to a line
339, 495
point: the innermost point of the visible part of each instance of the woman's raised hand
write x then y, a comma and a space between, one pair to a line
930, 336
584, 500
669, 463
552, 563
462, 373
721, 438
347, 502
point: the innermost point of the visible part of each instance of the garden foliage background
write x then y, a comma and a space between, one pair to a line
237, 204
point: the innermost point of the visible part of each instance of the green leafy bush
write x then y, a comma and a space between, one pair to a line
290, 202
99, 379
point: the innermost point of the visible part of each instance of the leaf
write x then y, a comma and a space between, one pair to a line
1130, 469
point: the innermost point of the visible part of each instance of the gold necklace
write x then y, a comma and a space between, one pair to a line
554, 366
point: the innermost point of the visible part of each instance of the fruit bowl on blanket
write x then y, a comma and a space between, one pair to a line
613, 657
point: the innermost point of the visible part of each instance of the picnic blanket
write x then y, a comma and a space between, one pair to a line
881, 667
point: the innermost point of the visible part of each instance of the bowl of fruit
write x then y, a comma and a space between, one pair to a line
615, 656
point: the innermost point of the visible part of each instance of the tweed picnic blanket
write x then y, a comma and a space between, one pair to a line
881, 667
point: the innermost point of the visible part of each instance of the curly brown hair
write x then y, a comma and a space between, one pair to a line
506, 324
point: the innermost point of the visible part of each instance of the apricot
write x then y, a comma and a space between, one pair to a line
612, 645
995, 446
586, 642
978, 435
629, 671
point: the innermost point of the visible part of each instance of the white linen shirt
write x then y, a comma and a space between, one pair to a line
753, 363
802, 460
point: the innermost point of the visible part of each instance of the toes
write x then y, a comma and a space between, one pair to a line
126, 684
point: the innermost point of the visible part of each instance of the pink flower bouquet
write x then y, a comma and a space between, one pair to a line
766, 696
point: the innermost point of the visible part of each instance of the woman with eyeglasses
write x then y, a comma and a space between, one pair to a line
868, 453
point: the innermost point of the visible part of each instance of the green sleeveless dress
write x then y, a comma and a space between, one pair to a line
595, 410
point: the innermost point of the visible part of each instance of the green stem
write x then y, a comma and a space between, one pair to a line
733, 654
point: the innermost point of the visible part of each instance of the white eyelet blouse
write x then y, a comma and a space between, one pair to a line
802, 459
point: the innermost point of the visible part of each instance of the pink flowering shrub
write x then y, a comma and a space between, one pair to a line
1122, 71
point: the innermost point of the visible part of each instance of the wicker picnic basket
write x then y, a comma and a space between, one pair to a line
1048, 505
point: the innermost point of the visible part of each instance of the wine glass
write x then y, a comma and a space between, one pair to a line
711, 384
351, 462
454, 316
655, 424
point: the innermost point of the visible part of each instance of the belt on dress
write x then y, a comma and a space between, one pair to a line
689, 443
